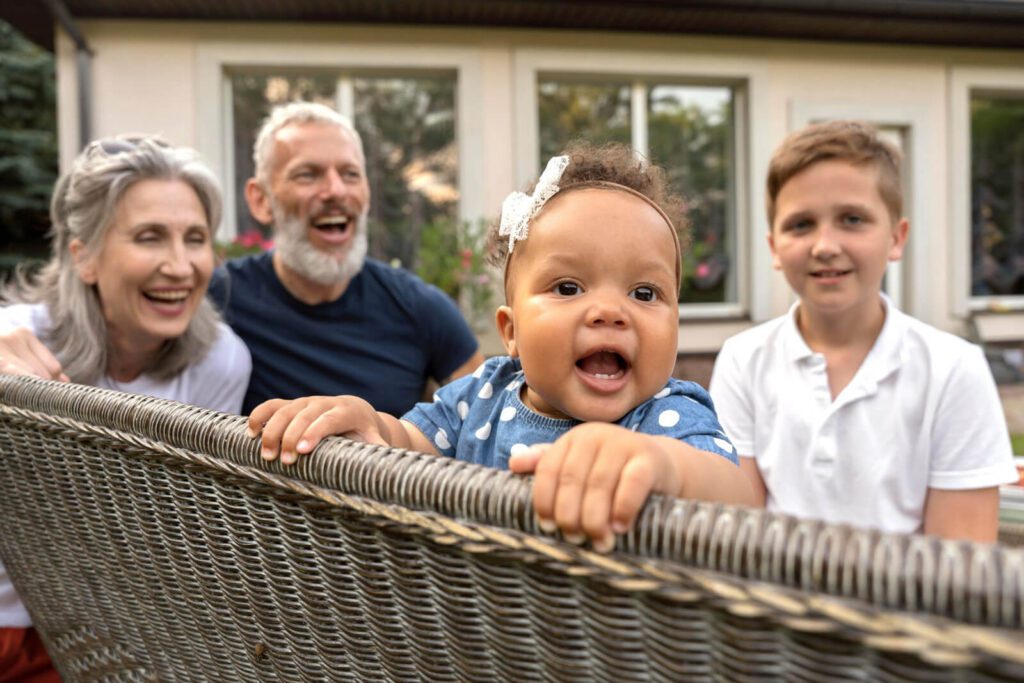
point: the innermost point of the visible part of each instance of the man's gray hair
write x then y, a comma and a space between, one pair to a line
293, 114
85, 200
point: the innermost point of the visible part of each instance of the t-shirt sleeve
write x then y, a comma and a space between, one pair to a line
440, 421
971, 442
452, 343
21, 315
222, 376
684, 411
730, 391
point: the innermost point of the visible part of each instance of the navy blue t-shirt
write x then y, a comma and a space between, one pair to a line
387, 334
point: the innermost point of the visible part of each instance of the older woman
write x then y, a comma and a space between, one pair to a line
121, 303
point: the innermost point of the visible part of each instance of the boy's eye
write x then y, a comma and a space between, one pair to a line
853, 219
567, 289
644, 293
800, 225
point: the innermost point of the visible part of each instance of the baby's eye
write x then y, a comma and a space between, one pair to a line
644, 293
567, 289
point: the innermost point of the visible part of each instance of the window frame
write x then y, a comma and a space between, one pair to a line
533, 65
217, 62
966, 81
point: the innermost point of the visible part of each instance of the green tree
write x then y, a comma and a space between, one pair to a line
28, 143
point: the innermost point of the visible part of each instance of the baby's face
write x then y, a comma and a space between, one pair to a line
592, 311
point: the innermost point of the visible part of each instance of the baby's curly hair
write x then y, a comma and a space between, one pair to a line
612, 163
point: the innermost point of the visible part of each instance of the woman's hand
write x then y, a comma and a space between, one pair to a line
21, 353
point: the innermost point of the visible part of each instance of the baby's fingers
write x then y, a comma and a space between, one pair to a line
525, 462
636, 482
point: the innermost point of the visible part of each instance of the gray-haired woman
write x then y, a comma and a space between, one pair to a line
122, 302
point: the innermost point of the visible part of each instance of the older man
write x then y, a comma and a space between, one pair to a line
318, 316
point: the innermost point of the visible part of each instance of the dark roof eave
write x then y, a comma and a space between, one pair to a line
965, 23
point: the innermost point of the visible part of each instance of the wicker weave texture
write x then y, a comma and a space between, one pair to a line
150, 542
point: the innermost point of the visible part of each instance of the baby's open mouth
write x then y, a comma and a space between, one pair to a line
603, 365
337, 225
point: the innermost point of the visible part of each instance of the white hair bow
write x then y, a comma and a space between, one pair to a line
519, 208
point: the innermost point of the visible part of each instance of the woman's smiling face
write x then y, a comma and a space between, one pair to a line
153, 267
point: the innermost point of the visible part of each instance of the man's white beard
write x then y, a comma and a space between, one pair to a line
291, 241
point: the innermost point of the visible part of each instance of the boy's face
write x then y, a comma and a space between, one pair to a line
592, 311
833, 237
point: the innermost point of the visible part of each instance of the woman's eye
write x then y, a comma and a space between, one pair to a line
146, 237
567, 288
644, 294
196, 238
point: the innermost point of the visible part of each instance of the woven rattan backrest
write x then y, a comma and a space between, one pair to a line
150, 542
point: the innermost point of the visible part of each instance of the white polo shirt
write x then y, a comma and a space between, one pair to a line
921, 412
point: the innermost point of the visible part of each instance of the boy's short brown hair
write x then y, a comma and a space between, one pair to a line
855, 142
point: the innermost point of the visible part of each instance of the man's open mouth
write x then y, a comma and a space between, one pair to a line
333, 225
604, 365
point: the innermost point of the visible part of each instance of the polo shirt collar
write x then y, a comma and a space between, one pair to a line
884, 358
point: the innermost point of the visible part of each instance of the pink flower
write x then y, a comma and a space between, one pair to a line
702, 270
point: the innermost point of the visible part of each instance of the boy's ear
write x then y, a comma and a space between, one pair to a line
85, 265
258, 200
771, 245
899, 239
507, 329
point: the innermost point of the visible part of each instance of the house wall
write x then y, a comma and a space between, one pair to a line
168, 78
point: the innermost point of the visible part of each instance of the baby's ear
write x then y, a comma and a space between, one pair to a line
507, 329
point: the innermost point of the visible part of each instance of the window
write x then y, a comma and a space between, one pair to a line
997, 195
687, 129
407, 124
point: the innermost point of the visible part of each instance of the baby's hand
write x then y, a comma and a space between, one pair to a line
594, 480
296, 427
21, 353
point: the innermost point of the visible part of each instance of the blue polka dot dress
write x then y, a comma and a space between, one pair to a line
481, 418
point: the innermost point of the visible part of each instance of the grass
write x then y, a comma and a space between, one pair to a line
1018, 443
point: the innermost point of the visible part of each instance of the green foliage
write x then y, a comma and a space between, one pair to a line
452, 257
1018, 443
28, 140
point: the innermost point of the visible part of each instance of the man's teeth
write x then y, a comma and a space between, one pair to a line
332, 221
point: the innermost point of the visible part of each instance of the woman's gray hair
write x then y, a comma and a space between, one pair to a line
296, 114
84, 203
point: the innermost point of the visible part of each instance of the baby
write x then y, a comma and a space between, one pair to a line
584, 399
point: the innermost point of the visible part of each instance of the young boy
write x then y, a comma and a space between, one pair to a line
846, 409
592, 270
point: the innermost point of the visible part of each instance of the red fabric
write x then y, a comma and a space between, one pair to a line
23, 658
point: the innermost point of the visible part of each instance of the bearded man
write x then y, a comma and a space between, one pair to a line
318, 316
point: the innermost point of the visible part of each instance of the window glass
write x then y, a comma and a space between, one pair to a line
997, 195
690, 133
408, 130
598, 112
687, 129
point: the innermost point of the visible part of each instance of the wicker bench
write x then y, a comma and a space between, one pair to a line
150, 542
